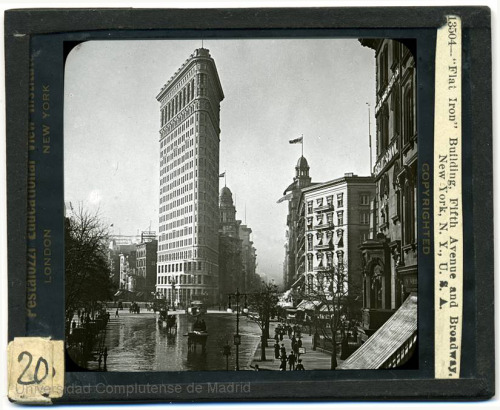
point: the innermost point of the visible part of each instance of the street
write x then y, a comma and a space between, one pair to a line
135, 342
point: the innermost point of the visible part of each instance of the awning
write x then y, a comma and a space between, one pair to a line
308, 305
399, 331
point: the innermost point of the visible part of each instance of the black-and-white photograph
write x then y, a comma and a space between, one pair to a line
241, 204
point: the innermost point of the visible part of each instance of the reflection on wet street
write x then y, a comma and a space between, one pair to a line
136, 342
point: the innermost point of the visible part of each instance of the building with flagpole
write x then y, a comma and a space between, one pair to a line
188, 245
292, 195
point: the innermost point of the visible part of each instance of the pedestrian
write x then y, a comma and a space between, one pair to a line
73, 325
105, 355
281, 336
315, 340
291, 360
289, 331
117, 314
276, 350
283, 351
276, 337
299, 366
283, 364
345, 348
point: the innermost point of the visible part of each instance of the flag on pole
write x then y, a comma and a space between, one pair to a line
222, 175
296, 141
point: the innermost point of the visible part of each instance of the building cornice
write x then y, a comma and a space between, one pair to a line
200, 54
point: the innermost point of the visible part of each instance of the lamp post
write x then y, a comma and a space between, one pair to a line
172, 282
237, 337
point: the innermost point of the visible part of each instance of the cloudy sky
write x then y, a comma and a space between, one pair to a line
275, 90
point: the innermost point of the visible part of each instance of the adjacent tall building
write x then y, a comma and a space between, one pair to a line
188, 243
389, 257
237, 255
292, 195
333, 220
145, 272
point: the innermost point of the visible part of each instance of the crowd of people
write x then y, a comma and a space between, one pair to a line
291, 359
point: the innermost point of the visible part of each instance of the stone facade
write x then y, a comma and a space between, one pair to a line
390, 255
188, 243
334, 219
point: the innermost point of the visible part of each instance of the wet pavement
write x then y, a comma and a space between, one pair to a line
136, 342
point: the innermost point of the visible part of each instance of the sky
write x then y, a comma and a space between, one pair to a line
275, 90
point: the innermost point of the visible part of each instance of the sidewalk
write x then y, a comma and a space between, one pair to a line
312, 359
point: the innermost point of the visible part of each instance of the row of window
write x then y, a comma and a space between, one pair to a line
332, 286
181, 267
405, 201
407, 110
178, 102
174, 256
178, 132
383, 63
183, 294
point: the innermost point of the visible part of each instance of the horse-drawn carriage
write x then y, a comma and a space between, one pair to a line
166, 320
198, 336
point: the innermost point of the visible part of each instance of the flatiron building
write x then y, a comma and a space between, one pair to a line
188, 248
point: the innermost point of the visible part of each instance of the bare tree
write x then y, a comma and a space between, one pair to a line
335, 298
262, 305
87, 273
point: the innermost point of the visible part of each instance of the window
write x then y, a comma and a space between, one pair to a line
309, 261
309, 222
319, 237
396, 108
408, 116
364, 218
329, 237
383, 69
319, 257
309, 242
383, 130
310, 207
409, 215
319, 202
329, 201
364, 199
329, 218
340, 200
340, 218
340, 236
